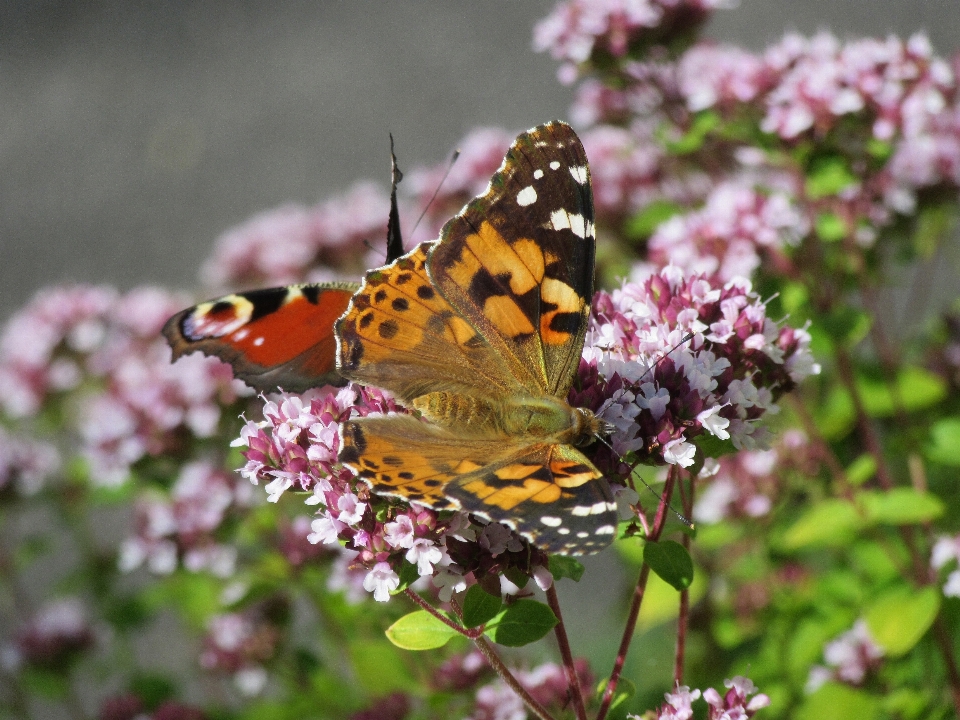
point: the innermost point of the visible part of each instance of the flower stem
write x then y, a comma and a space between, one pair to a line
658, 523
472, 633
563, 642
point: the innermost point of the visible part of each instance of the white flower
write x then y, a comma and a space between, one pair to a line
679, 452
351, 509
425, 554
399, 534
325, 530
714, 423
381, 581
448, 583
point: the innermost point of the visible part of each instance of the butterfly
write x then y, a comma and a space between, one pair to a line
481, 333
277, 337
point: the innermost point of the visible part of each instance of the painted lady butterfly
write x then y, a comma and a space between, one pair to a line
481, 333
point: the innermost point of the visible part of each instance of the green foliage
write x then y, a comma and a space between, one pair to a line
420, 630
671, 561
521, 623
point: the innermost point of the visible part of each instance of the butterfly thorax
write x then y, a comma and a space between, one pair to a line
547, 419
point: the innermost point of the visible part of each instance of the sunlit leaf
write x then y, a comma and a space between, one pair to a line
420, 630
898, 619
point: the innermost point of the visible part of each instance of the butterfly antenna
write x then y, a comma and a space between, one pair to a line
394, 237
453, 159
657, 495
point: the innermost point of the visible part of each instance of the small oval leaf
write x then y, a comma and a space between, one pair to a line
419, 631
671, 561
562, 566
831, 523
901, 506
479, 606
521, 623
900, 618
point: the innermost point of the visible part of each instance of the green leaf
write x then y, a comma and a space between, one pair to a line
830, 227
828, 176
671, 561
934, 224
945, 445
379, 667
408, 575
643, 224
713, 447
661, 602
830, 523
479, 606
836, 416
564, 566
915, 389
846, 325
901, 506
861, 469
625, 690
834, 701
521, 623
420, 630
901, 617
692, 140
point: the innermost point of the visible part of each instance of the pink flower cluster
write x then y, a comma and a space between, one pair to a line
182, 526
581, 31
296, 446
946, 551
546, 683
732, 705
25, 464
131, 707
727, 236
53, 637
238, 644
105, 347
629, 170
676, 358
849, 657
745, 484
293, 243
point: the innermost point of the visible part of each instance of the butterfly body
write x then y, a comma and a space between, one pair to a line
481, 334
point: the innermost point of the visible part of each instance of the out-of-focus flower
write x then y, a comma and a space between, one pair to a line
25, 464
546, 683
239, 644
392, 707
727, 238
849, 657
56, 634
294, 243
183, 525
582, 31
945, 551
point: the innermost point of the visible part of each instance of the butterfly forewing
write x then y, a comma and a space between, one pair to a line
518, 261
275, 337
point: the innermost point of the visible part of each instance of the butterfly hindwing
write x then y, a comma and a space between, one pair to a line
275, 337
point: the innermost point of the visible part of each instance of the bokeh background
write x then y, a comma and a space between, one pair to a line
133, 133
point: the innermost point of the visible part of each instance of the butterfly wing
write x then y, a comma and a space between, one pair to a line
518, 262
400, 334
550, 494
275, 337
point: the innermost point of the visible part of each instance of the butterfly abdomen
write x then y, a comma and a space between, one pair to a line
466, 412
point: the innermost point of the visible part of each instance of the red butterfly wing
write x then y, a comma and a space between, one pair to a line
274, 337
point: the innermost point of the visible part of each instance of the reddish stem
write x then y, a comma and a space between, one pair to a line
658, 523
472, 633
576, 696
684, 616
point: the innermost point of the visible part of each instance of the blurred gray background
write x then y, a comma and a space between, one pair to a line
133, 133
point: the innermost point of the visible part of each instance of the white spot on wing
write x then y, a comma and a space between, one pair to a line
241, 334
562, 220
579, 173
527, 196
537, 174
550, 521
605, 530
258, 342
555, 165
563, 531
